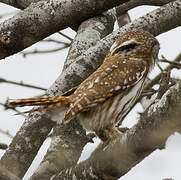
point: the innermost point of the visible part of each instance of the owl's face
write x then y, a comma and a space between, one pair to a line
136, 43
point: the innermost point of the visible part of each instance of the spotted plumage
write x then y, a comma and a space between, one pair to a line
105, 96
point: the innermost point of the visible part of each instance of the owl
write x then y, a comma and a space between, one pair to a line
103, 99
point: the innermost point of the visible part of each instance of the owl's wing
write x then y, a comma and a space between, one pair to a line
110, 79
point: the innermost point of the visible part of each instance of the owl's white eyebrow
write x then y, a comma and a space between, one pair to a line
113, 46
131, 41
123, 44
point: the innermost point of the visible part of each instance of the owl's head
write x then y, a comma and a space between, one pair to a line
136, 43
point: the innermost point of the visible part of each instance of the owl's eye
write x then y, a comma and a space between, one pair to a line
126, 47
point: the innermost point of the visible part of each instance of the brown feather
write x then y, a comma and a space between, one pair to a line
49, 102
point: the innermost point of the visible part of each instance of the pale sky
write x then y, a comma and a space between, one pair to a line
42, 70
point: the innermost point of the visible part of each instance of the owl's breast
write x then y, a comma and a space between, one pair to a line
112, 110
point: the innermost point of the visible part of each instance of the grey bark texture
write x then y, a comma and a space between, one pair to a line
37, 126
44, 18
7, 175
20, 4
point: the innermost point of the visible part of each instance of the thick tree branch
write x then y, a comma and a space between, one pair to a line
20, 4
26, 143
16, 34
156, 124
32, 134
68, 141
41, 19
133, 3
6, 175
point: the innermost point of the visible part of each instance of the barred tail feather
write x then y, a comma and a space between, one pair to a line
44, 103
41, 108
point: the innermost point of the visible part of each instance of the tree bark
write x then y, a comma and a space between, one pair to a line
40, 19
44, 18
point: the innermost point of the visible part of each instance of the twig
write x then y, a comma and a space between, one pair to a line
176, 65
64, 35
164, 84
3, 146
14, 109
44, 51
168, 68
6, 14
7, 133
161, 69
2, 80
55, 41
122, 19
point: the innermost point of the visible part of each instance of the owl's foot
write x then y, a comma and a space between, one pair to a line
108, 134
90, 137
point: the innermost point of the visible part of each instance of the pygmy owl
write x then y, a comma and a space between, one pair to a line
102, 99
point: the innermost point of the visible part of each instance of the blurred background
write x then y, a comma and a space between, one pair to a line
42, 69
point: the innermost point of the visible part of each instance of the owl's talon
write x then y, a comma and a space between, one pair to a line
90, 137
123, 129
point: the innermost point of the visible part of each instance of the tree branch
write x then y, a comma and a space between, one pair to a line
168, 68
6, 175
40, 19
65, 36
2, 80
36, 51
6, 14
3, 146
156, 124
14, 109
15, 34
7, 133
133, 3
55, 41
20, 4
176, 65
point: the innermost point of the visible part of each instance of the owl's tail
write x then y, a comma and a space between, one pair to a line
45, 103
